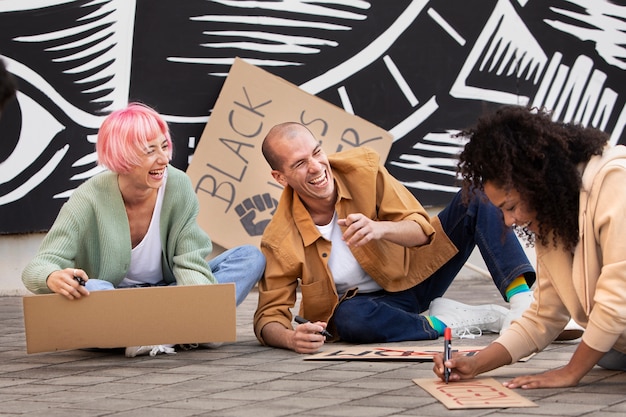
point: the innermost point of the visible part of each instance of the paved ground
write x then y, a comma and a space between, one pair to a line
245, 379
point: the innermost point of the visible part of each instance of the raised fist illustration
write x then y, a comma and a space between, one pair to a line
248, 209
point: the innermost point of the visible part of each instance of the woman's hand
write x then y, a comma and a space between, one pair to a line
63, 282
583, 359
461, 367
468, 367
554, 378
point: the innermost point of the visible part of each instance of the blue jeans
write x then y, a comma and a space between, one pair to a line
242, 265
613, 360
391, 317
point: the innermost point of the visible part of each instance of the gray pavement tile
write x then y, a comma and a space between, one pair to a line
378, 383
204, 404
331, 375
247, 376
25, 406
617, 408
345, 393
558, 409
111, 404
247, 394
352, 410
292, 384
264, 409
591, 400
160, 378
157, 395
209, 384
154, 411
601, 414
304, 401
116, 389
388, 399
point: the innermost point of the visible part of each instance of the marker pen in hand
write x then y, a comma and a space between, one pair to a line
302, 320
447, 351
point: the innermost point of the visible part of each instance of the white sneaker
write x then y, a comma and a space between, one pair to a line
518, 304
461, 318
154, 350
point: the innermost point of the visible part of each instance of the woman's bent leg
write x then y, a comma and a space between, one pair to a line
242, 265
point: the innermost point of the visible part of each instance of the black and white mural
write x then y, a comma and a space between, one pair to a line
420, 69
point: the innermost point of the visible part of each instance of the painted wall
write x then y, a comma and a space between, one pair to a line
420, 69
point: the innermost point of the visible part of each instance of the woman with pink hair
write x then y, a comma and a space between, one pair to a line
134, 225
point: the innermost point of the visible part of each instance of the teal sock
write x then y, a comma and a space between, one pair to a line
436, 324
517, 286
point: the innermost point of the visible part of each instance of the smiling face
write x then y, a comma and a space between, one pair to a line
514, 210
150, 172
304, 167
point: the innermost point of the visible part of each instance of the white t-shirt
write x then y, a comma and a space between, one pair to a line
145, 258
346, 271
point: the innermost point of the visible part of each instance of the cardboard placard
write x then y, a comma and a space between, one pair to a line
473, 393
230, 176
131, 317
387, 353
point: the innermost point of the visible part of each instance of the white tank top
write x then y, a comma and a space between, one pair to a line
346, 271
145, 258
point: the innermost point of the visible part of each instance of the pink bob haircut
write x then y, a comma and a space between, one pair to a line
124, 135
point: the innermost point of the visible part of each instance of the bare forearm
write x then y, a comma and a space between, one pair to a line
492, 357
360, 230
405, 232
583, 359
276, 335
306, 338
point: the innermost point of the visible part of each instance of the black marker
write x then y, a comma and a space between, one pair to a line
78, 279
447, 351
302, 320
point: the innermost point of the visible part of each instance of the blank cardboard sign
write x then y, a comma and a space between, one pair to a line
473, 393
131, 317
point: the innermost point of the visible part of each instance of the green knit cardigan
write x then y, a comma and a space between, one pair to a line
92, 233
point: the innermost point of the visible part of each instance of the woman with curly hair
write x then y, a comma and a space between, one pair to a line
561, 186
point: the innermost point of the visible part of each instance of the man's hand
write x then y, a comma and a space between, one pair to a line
360, 230
306, 338
63, 282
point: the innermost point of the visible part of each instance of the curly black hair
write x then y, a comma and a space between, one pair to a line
522, 148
